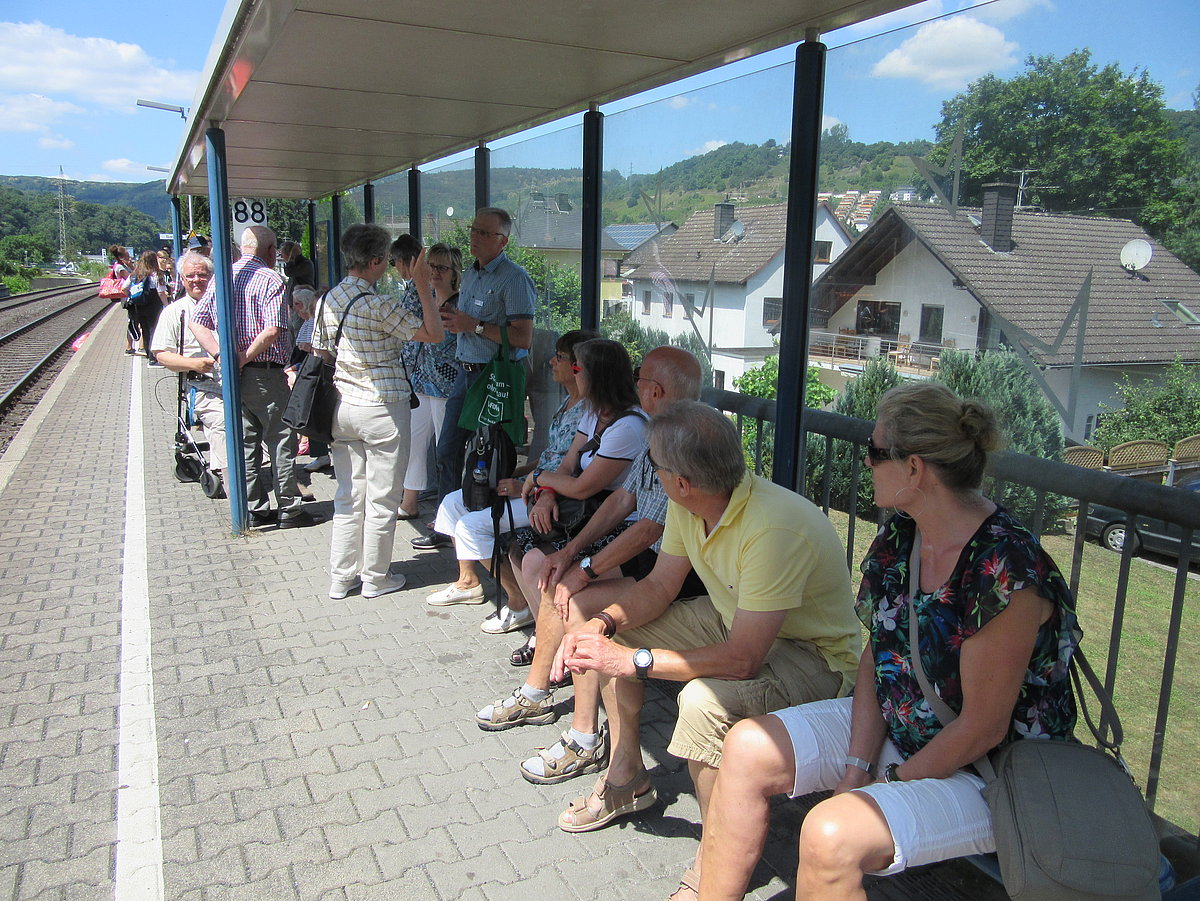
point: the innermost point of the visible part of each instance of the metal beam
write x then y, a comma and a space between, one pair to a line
335, 258
807, 93
414, 203
312, 239
231, 389
368, 202
593, 175
483, 177
176, 227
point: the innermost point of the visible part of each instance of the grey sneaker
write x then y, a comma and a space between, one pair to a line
516, 710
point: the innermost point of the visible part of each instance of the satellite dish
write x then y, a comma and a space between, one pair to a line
1136, 254
735, 232
449, 211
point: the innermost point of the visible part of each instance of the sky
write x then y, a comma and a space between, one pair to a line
71, 73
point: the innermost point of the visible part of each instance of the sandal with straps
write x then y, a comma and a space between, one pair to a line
607, 803
566, 759
522, 656
689, 887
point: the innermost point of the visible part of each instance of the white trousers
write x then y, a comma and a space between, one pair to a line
426, 430
472, 529
370, 445
930, 819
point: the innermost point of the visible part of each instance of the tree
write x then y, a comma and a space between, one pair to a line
25, 250
1098, 136
1164, 411
763, 381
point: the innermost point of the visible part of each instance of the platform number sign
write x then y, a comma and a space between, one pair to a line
249, 212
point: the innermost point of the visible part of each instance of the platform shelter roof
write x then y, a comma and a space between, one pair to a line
318, 96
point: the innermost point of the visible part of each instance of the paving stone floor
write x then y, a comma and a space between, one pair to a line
307, 748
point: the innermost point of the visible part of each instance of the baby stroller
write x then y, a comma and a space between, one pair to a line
191, 465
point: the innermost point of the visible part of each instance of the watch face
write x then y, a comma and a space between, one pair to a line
642, 658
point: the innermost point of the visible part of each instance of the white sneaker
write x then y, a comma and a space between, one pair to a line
452, 594
507, 620
393, 582
340, 590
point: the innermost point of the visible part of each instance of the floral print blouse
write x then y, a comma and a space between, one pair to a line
431, 368
1001, 557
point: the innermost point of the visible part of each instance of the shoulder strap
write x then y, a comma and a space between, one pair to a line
342, 322
593, 444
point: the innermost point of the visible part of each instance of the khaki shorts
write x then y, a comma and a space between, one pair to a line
794, 672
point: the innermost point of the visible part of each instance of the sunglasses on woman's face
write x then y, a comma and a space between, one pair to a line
875, 454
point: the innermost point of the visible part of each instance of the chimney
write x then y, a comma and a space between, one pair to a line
723, 214
999, 201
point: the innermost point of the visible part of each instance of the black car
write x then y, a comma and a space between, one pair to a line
1151, 534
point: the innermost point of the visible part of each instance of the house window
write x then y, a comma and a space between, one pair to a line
668, 305
822, 251
719, 379
1089, 426
610, 268
772, 312
645, 303
689, 305
931, 324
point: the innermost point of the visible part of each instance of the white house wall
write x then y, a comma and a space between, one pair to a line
1097, 388
913, 278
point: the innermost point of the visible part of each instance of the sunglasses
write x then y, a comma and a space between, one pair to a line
882, 454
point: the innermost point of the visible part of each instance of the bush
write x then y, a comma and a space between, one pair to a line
763, 381
1164, 411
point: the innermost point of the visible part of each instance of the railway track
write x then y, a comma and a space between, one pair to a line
35, 331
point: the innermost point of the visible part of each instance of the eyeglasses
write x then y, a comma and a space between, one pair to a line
879, 455
480, 233
561, 357
576, 368
438, 267
659, 468
638, 377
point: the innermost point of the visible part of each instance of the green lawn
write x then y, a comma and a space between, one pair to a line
1140, 672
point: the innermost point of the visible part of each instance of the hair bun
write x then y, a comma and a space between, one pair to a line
978, 424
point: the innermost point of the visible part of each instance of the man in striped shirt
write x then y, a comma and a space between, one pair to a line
264, 347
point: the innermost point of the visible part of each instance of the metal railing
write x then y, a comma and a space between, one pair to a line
859, 348
1051, 482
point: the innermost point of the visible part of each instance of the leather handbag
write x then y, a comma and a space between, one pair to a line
314, 396
1069, 822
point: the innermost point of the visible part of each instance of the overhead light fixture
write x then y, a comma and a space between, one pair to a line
169, 107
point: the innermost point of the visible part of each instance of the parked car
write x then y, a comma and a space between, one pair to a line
1151, 534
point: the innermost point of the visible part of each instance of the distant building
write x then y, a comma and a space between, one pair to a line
720, 277
553, 225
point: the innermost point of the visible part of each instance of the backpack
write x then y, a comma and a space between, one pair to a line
139, 292
490, 457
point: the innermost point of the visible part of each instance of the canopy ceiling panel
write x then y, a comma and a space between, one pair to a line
317, 96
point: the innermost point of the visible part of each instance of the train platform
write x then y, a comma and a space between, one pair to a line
186, 714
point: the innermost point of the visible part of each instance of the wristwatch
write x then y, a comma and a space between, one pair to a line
642, 661
586, 565
479, 328
891, 773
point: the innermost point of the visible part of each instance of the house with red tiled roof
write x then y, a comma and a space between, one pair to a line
720, 276
1052, 287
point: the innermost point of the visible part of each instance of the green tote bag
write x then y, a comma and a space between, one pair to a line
498, 396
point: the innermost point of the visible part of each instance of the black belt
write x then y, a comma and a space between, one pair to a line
473, 367
265, 365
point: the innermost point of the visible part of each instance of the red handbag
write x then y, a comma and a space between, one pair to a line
111, 287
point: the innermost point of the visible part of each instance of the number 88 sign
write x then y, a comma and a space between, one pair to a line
249, 212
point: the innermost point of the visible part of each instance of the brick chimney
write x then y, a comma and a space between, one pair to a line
723, 214
999, 201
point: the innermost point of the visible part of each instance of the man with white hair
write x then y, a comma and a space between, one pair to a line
264, 349
176, 348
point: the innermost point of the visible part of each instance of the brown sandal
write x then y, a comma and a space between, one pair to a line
607, 803
689, 887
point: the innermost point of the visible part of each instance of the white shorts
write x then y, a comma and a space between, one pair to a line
472, 529
930, 819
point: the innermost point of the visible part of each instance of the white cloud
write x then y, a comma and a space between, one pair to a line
949, 53
126, 167
32, 112
39, 59
55, 143
679, 101
706, 147
827, 122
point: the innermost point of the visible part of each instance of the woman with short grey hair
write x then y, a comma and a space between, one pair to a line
371, 423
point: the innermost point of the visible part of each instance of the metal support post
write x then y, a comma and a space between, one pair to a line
312, 238
593, 176
807, 95
231, 389
368, 202
335, 258
483, 176
176, 227
414, 203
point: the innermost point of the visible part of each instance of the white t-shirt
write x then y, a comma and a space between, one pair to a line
622, 440
173, 324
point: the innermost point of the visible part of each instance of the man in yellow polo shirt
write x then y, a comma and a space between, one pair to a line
776, 628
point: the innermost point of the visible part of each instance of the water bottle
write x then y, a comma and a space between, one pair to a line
480, 475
